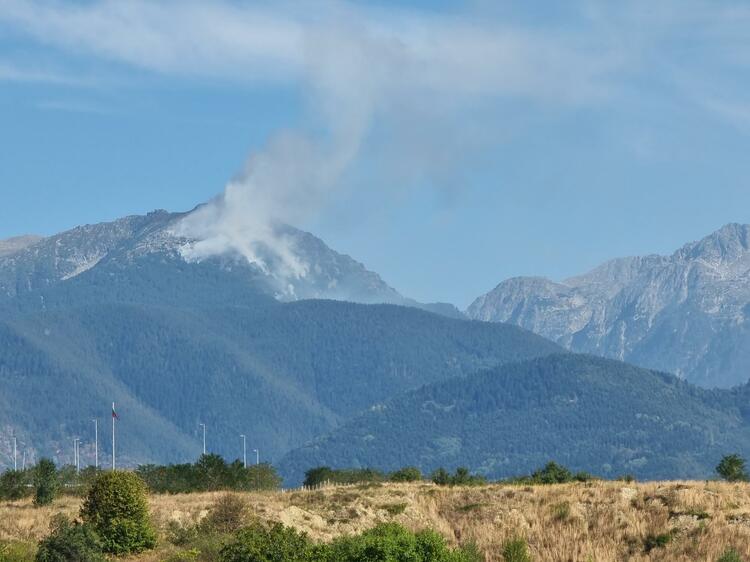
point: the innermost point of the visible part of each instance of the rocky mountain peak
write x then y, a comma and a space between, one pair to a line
684, 313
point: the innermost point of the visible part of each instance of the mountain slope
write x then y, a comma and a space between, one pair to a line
28, 264
178, 343
684, 313
588, 413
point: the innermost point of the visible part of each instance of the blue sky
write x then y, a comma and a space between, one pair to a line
453, 145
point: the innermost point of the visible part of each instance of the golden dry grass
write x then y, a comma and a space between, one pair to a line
599, 521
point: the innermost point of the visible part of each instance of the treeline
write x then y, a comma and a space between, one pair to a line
551, 473
209, 473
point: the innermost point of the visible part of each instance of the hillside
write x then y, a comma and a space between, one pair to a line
588, 413
684, 313
602, 521
176, 344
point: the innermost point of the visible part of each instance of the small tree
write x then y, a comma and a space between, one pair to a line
45, 481
117, 509
441, 477
552, 473
70, 542
318, 475
13, 485
406, 474
732, 469
226, 515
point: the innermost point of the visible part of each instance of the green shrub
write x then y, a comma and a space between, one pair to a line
732, 469
45, 482
226, 515
406, 474
70, 542
13, 485
730, 555
516, 550
117, 509
261, 543
657, 541
391, 542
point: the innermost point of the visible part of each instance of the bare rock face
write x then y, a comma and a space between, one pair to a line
684, 313
17, 243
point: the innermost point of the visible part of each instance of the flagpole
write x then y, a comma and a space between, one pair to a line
113, 435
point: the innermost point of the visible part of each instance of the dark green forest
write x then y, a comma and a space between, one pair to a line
591, 414
177, 344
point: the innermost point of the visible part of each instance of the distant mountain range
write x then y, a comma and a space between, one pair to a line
686, 313
120, 312
112, 312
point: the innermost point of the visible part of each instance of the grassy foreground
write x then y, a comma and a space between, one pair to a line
597, 521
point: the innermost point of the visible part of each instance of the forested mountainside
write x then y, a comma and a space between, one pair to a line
588, 413
176, 344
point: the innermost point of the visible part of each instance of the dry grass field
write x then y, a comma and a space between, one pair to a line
599, 521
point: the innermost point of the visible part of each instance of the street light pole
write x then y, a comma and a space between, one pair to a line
96, 443
244, 452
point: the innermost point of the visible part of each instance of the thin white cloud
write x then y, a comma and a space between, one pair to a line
266, 42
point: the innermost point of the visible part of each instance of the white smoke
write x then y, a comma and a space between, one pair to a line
294, 175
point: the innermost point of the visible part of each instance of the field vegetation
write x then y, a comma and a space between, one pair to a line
550, 515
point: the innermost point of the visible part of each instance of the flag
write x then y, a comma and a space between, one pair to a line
114, 414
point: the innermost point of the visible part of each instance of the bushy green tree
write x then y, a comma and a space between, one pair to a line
732, 469
13, 485
406, 474
441, 477
45, 482
116, 507
70, 542
552, 473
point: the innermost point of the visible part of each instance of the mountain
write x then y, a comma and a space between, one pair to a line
114, 312
685, 313
36, 263
586, 412
17, 243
